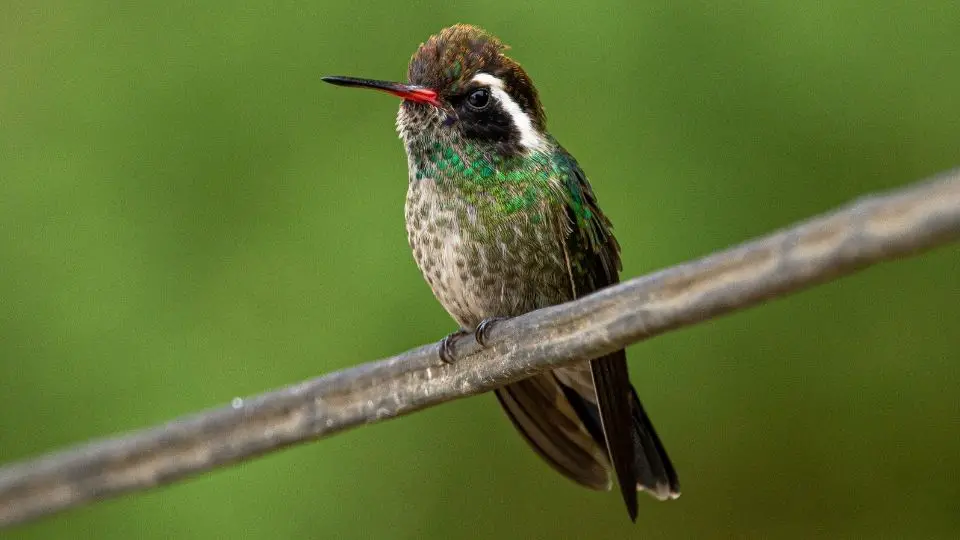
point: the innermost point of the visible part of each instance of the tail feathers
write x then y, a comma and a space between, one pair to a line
655, 472
554, 429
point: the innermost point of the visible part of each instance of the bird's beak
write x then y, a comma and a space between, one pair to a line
408, 92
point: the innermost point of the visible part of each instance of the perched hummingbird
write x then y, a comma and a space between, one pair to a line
502, 221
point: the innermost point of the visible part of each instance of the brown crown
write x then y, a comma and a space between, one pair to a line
448, 61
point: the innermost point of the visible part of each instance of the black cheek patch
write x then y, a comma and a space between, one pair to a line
492, 124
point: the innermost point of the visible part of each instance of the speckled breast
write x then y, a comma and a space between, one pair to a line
483, 264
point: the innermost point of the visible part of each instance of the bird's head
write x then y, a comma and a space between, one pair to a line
462, 85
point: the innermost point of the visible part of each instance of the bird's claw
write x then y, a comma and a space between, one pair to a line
480, 334
483, 329
446, 345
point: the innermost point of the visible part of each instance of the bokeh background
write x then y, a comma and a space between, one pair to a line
187, 214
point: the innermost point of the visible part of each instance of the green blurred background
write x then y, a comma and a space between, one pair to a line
187, 214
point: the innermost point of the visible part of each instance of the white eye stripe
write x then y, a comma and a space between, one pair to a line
489, 80
529, 137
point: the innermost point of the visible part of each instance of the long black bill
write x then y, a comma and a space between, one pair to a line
408, 92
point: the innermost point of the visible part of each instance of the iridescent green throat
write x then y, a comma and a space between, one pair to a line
496, 184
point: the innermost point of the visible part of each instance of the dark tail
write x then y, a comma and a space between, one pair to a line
655, 473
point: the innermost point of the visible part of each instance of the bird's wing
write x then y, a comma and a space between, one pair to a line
593, 260
639, 459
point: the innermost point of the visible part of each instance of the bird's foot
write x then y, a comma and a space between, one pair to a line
480, 334
483, 329
446, 345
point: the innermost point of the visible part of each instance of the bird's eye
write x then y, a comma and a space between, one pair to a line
478, 99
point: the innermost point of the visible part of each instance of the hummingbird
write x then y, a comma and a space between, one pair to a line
502, 221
